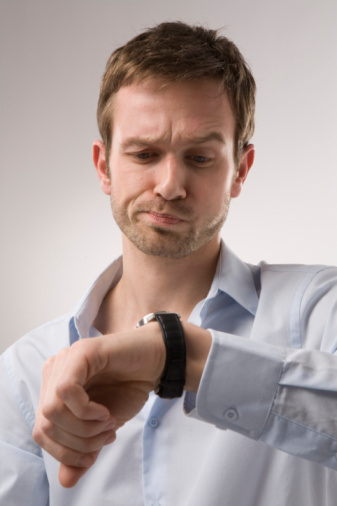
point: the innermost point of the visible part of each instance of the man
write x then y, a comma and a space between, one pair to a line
245, 378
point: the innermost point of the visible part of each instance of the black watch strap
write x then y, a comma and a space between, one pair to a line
172, 382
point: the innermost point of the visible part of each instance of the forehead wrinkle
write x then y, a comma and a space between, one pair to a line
144, 141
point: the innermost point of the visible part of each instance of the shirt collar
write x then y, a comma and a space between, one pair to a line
235, 278
87, 309
232, 276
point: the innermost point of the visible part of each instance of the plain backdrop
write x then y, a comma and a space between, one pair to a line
57, 232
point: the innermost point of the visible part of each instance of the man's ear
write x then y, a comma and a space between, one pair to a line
98, 155
247, 160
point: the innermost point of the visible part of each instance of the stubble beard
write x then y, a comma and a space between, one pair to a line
158, 241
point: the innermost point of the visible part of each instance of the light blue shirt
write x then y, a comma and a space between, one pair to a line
270, 384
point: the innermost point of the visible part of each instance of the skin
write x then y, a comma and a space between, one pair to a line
170, 177
172, 172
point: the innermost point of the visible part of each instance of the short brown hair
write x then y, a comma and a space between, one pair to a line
175, 51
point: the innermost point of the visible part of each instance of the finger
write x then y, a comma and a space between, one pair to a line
67, 455
80, 364
60, 416
78, 402
74, 442
58, 389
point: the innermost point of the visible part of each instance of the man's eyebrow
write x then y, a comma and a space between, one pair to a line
141, 142
212, 136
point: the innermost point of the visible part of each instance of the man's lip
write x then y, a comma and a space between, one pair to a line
165, 217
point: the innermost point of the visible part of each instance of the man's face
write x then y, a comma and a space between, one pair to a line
172, 170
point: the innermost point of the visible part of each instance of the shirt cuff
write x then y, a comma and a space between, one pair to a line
238, 385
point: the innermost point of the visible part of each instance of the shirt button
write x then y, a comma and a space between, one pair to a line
154, 422
231, 414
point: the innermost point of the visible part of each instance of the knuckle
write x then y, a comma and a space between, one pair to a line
80, 347
62, 389
43, 431
38, 435
49, 411
47, 428
84, 349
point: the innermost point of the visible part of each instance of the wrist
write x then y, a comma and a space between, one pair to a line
156, 351
198, 344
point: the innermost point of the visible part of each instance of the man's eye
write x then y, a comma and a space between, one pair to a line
145, 155
199, 159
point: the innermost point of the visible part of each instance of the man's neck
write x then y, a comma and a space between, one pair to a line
150, 283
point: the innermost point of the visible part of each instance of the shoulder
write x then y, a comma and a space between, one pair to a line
293, 275
301, 300
46, 340
301, 286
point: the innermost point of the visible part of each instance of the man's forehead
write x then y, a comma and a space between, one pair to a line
187, 98
194, 111
156, 85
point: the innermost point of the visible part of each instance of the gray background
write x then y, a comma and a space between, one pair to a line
56, 227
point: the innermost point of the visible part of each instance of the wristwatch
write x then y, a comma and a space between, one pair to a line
172, 382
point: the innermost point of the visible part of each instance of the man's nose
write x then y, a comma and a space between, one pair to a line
171, 179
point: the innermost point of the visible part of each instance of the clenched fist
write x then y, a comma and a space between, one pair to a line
90, 390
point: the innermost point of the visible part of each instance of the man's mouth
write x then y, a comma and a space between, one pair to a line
164, 218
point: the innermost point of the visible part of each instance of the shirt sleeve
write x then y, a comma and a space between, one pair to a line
22, 472
285, 396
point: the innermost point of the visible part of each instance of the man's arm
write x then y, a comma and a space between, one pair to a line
94, 387
283, 396
280, 385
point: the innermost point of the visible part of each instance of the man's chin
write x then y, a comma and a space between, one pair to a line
168, 245
164, 250
162, 243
